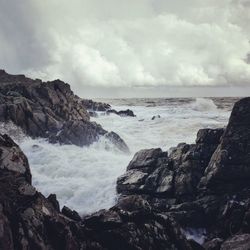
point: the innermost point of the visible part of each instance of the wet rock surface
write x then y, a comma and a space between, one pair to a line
202, 185
49, 110
126, 112
30, 221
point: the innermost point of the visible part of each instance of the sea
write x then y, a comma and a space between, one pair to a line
84, 178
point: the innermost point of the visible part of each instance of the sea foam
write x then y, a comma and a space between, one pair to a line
84, 179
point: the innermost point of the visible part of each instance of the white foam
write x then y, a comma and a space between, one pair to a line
85, 178
203, 104
196, 234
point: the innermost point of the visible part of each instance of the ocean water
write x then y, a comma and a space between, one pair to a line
84, 179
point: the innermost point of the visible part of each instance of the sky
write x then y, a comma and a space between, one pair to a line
116, 48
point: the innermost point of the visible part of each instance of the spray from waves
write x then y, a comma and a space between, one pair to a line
203, 104
82, 178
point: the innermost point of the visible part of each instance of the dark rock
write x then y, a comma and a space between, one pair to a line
49, 110
213, 244
146, 158
237, 242
229, 168
127, 112
30, 221
155, 117
144, 176
202, 185
91, 106
116, 140
52, 198
72, 214
93, 114
195, 245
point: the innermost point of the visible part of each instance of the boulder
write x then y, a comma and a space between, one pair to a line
148, 172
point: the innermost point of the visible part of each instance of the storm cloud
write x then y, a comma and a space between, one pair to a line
115, 43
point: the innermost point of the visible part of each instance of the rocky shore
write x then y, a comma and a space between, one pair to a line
163, 196
51, 110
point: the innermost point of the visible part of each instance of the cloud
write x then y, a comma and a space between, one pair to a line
133, 43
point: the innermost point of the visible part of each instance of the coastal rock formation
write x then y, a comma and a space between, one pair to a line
95, 106
163, 196
177, 175
229, 168
49, 110
126, 112
30, 221
203, 185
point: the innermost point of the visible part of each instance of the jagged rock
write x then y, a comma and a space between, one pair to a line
146, 158
30, 221
214, 244
190, 161
12, 159
49, 110
72, 214
95, 106
147, 230
153, 172
237, 242
117, 141
229, 168
52, 198
127, 112
147, 173
209, 182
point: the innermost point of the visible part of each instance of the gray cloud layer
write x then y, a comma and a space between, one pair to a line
128, 43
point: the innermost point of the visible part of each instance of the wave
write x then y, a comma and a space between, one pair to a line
203, 104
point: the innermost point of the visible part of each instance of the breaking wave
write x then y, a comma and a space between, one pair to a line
203, 104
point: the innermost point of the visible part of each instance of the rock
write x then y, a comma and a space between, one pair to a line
72, 214
49, 110
30, 221
190, 161
155, 117
93, 114
148, 172
80, 133
127, 112
237, 242
12, 159
229, 168
52, 198
146, 158
116, 140
213, 244
152, 172
92, 106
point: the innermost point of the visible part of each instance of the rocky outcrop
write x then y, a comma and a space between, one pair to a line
229, 168
49, 110
126, 112
30, 221
95, 106
177, 175
202, 185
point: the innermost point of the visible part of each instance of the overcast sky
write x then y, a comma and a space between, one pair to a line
132, 47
